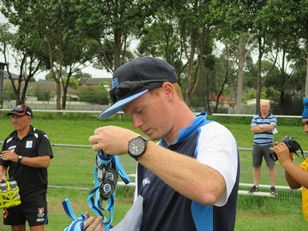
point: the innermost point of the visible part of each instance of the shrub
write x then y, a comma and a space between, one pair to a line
95, 95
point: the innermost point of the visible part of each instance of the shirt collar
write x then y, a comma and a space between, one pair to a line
30, 132
185, 133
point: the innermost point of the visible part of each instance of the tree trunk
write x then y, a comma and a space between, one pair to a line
259, 79
117, 49
240, 75
65, 85
24, 91
190, 68
58, 90
227, 77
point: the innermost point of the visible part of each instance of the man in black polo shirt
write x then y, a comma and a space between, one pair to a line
26, 155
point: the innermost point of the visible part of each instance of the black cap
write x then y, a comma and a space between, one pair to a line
21, 110
144, 68
135, 78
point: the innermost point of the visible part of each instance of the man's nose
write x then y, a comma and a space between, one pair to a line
137, 122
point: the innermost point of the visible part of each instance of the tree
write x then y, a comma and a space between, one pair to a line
82, 77
43, 94
112, 24
181, 34
29, 64
279, 24
236, 31
59, 44
96, 95
161, 39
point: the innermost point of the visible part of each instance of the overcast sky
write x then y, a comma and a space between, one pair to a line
96, 73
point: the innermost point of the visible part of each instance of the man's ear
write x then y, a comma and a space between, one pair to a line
168, 89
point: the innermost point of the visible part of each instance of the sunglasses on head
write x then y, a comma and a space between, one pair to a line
20, 108
127, 88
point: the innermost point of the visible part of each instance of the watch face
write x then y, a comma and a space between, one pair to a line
136, 146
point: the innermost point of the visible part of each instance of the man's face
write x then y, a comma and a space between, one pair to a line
20, 122
152, 114
264, 108
305, 123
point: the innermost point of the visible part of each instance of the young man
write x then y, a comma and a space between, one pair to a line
187, 182
263, 125
296, 176
26, 154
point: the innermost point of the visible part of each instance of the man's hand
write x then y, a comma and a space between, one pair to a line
94, 224
112, 139
283, 153
9, 155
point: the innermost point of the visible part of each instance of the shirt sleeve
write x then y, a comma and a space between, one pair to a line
253, 122
44, 148
304, 164
217, 148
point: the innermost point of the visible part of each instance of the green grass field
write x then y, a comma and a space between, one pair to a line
74, 167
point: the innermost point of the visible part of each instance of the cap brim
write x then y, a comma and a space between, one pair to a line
16, 113
118, 105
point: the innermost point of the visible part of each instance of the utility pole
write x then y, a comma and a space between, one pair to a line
2, 65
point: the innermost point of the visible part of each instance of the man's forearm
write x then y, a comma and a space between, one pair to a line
36, 162
262, 128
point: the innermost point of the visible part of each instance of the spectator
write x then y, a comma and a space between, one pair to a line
296, 176
263, 126
187, 182
25, 157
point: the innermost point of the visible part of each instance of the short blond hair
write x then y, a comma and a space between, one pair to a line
177, 89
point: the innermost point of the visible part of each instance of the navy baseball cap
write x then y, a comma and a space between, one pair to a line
21, 110
135, 78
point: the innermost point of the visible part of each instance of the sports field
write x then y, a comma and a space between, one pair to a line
71, 171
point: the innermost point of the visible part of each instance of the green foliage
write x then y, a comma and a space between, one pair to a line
43, 93
96, 95
73, 83
8, 92
64, 34
82, 77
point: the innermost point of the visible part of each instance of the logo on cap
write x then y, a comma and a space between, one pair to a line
115, 82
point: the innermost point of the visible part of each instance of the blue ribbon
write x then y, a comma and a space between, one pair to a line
94, 199
78, 222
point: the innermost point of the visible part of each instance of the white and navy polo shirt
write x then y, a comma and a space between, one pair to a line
263, 138
164, 209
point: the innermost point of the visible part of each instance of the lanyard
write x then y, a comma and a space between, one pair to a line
106, 172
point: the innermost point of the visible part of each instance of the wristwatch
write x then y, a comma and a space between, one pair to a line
20, 158
137, 146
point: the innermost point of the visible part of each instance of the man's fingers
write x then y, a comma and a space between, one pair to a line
93, 139
94, 224
88, 222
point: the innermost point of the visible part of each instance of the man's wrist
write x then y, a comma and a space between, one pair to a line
20, 157
286, 162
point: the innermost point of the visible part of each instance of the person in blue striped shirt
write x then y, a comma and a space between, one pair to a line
263, 126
